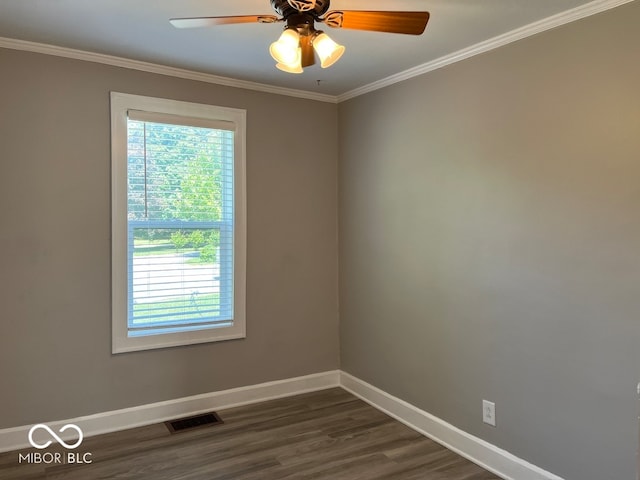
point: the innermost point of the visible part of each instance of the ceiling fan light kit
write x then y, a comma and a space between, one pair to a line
300, 42
293, 50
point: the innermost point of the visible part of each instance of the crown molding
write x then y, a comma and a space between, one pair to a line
540, 26
114, 61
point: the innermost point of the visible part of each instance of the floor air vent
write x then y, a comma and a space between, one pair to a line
191, 423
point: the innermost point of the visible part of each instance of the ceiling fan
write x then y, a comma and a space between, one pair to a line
295, 48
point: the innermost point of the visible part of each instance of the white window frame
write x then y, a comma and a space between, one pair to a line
121, 103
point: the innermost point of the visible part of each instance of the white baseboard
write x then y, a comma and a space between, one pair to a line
488, 456
484, 454
17, 438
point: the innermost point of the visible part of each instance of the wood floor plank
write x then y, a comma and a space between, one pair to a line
315, 436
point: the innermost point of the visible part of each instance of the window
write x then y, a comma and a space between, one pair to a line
178, 223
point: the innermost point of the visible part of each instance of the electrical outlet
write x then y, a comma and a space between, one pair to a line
489, 413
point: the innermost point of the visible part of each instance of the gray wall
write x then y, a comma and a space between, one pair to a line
490, 244
55, 300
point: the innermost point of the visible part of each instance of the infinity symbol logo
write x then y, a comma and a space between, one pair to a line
53, 434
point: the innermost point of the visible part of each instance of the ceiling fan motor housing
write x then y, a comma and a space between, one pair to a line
315, 8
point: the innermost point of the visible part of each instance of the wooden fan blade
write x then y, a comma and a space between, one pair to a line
198, 22
410, 23
308, 54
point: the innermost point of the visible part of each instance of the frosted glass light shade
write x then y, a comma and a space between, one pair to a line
287, 49
328, 50
291, 68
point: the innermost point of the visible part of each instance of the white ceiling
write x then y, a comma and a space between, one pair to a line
140, 30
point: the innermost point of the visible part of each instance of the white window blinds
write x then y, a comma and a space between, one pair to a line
180, 223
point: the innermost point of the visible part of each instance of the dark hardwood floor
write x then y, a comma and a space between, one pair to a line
322, 435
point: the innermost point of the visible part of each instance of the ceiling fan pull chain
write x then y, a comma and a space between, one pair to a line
303, 5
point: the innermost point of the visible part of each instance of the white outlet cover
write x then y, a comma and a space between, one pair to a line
489, 412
